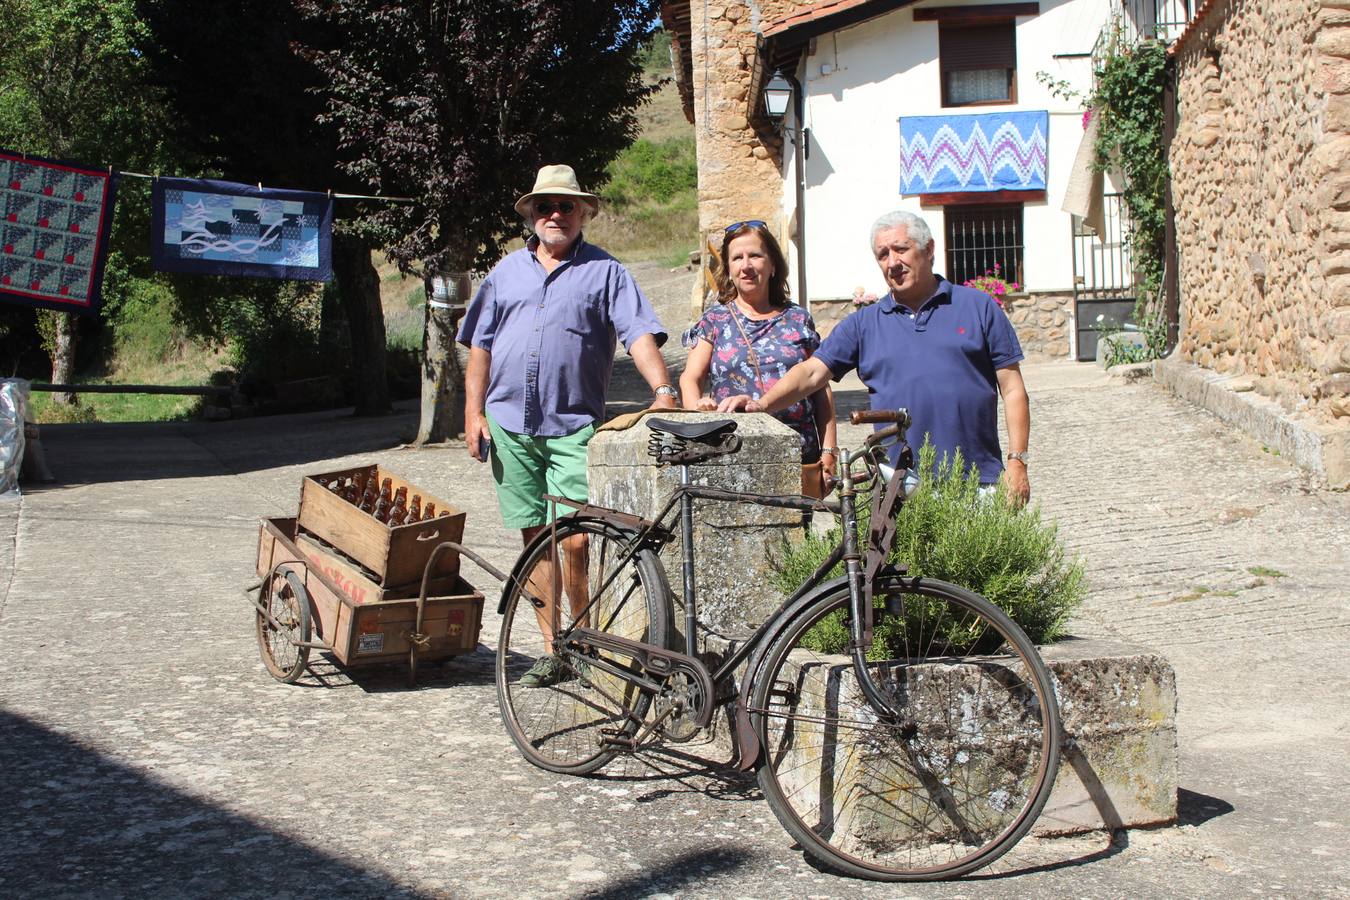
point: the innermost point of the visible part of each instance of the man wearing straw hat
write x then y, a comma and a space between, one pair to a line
542, 333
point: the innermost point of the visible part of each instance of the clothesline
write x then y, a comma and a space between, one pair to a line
330, 193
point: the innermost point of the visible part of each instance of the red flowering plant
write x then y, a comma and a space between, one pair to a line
994, 284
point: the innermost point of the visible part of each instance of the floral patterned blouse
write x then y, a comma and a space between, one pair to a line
779, 344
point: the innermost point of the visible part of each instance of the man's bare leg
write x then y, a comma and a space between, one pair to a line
574, 578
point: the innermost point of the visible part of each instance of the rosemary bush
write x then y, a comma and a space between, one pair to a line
945, 530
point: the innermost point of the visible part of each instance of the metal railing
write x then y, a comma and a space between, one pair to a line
980, 237
1133, 21
1102, 267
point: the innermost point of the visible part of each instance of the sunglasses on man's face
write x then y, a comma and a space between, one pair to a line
548, 207
748, 223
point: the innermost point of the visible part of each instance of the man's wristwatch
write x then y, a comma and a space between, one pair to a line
1020, 455
665, 390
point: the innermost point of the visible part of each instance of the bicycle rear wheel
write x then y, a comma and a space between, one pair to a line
948, 786
560, 721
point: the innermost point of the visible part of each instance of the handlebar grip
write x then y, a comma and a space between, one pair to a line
875, 416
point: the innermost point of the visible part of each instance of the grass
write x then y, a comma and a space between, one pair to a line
1266, 572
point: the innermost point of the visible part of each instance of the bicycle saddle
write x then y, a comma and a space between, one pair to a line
693, 431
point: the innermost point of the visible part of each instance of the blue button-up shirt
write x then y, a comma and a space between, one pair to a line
552, 336
940, 363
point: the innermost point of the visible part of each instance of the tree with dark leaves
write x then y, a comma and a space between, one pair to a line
245, 100
457, 103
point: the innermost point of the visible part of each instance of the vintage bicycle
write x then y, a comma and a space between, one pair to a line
902, 728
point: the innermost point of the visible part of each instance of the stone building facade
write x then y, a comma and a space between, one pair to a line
1260, 165
739, 152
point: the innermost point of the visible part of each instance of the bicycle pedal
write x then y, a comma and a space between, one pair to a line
613, 737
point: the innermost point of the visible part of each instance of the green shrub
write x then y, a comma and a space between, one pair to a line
649, 171
947, 531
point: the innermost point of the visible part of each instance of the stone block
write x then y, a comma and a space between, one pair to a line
732, 542
1119, 764
1333, 42
1119, 755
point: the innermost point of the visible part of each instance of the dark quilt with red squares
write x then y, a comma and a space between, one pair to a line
54, 221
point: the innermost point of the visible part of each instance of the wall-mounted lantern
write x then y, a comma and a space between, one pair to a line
777, 96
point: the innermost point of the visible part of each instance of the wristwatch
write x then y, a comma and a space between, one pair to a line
665, 390
1020, 455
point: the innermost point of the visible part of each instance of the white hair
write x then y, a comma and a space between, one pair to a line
914, 226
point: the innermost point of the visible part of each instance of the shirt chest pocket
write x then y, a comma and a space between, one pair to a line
583, 313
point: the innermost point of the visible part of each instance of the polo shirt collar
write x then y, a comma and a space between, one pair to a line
943, 294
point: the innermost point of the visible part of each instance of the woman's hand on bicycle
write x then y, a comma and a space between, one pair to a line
739, 403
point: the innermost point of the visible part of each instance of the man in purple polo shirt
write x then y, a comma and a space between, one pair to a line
541, 333
944, 352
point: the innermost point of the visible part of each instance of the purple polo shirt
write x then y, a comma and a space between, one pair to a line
552, 336
939, 364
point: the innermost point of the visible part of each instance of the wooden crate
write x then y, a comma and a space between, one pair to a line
396, 555
361, 584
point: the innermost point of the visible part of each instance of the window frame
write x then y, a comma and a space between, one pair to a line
955, 213
950, 26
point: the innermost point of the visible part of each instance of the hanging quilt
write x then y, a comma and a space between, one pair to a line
223, 228
53, 232
984, 152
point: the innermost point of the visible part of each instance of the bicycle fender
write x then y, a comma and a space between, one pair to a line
750, 748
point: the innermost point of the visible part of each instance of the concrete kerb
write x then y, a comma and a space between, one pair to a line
1319, 449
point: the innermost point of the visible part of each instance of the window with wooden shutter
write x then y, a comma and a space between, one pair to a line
978, 63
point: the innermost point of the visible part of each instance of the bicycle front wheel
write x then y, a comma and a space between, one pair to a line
945, 786
563, 713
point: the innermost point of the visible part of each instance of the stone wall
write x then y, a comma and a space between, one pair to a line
1261, 180
1042, 320
739, 175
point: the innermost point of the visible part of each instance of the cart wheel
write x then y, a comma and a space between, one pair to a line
286, 599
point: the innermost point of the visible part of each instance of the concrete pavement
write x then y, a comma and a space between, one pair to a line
144, 751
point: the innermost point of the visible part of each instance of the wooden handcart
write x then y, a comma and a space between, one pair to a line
335, 579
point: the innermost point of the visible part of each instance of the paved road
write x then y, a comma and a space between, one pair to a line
144, 752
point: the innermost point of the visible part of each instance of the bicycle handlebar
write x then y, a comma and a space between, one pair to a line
877, 416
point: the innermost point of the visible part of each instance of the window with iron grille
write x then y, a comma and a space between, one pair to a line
978, 237
978, 63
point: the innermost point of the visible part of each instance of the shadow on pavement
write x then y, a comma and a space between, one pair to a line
82, 824
1197, 809
689, 869
143, 451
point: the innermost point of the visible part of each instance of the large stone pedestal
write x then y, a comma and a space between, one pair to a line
732, 542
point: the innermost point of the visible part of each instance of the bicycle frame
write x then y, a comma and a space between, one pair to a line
859, 574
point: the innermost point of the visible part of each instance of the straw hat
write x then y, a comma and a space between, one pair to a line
556, 181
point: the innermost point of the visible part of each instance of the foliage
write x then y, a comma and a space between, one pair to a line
648, 171
72, 87
993, 283
1119, 350
947, 530
1128, 96
655, 56
458, 104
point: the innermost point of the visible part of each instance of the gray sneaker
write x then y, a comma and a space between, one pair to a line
546, 672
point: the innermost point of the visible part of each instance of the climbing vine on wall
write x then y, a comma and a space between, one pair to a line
1128, 96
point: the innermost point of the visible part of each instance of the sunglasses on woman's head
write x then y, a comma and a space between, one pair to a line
748, 223
547, 207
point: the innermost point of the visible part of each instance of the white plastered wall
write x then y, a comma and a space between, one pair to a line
859, 82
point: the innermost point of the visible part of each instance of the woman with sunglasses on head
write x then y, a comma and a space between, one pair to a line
744, 344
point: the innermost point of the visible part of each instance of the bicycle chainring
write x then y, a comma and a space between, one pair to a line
686, 697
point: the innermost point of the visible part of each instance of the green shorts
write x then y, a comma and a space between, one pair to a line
526, 467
